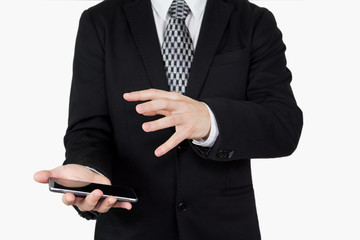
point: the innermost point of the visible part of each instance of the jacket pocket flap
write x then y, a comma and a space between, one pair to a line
231, 57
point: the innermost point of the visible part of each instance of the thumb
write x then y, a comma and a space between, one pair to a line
42, 176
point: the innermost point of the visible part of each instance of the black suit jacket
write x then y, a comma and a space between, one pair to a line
239, 70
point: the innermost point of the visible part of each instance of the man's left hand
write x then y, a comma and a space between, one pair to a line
190, 118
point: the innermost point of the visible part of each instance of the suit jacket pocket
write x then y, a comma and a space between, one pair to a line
231, 57
236, 191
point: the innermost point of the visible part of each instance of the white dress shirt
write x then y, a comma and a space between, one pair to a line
193, 22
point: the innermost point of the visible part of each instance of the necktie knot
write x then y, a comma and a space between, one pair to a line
179, 9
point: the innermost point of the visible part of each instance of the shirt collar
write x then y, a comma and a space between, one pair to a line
197, 7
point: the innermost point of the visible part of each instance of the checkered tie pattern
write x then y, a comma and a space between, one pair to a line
177, 48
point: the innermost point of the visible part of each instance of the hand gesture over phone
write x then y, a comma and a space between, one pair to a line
190, 118
92, 202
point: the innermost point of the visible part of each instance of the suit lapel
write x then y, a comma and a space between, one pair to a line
216, 17
142, 24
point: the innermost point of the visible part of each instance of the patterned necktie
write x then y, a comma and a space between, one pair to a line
177, 48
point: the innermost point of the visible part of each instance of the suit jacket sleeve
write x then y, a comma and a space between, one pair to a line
89, 136
268, 123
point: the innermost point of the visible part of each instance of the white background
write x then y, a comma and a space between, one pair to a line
312, 195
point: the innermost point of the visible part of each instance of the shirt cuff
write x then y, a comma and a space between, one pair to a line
214, 132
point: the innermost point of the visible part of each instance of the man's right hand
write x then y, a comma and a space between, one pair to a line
93, 201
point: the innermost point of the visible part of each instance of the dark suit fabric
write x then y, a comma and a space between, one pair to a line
239, 70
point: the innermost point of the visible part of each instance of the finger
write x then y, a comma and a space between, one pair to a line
161, 112
151, 94
90, 201
158, 105
104, 205
150, 114
162, 123
120, 204
164, 113
172, 142
42, 176
78, 200
68, 199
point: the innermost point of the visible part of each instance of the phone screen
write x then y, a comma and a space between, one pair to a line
80, 188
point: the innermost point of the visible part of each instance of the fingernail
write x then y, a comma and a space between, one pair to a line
112, 201
146, 127
126, 95
158, 152
98, 194
139, 108
69, 199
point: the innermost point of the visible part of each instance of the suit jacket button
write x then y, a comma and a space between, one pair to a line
222, 154
182, 147
182, 207
225, 154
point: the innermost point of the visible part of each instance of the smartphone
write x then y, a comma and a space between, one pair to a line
82, 189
